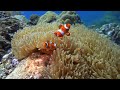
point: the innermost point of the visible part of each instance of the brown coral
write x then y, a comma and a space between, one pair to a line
83, 54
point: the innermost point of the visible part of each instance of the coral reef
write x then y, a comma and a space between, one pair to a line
4, 14
112, 30
33, 19
48, 17
65, 17
69, 17
22, 18
7, 65
8, 26
82, 55
4, 46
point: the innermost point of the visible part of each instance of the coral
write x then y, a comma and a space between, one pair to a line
82, 55
7, 65
8, 26
111, 30
22, 18
33, 19
4, 14
48, 17
69, 17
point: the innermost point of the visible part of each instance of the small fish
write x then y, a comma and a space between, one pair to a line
48, 48
49, 45
63, 30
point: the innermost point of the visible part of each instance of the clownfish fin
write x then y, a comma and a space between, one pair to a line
60, 26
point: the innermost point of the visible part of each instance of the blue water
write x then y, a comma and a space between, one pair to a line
88, 17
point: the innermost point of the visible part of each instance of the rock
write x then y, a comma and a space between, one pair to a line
48, 17
69, 17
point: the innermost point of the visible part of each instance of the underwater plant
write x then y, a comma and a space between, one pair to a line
82, 55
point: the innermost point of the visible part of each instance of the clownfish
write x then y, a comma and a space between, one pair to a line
49, 45
63, 30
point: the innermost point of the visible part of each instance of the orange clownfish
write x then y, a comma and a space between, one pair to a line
49, 45
63, 29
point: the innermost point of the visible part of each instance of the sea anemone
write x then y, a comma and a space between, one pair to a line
82, 55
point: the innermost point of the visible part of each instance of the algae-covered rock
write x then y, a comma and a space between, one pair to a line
69, 17
48, 17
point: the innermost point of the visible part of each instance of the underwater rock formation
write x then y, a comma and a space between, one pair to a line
69, 17
33, 19
112, 30
82, 55
48, 17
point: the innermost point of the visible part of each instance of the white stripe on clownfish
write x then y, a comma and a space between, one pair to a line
65, 26
61, 31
